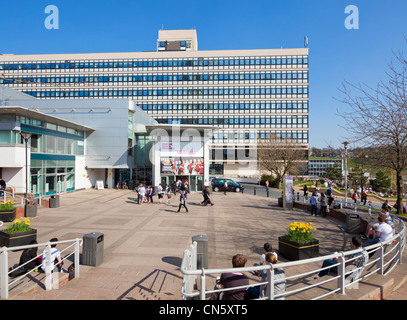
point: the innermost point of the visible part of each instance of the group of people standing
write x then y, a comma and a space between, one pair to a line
320, 201
146, 194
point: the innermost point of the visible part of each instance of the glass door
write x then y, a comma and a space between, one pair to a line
192, 183
61, 185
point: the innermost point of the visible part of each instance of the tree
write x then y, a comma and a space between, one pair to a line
334, 173
382, 182
378, 118
281, 158
356, 176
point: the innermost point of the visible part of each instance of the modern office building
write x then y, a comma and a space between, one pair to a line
252, 95
317, 165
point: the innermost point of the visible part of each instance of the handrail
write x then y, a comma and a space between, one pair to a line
378, 264
4, 269
13, 195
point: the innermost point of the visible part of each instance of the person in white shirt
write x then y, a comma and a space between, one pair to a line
383, 232
142, 193
160, 193
55, 257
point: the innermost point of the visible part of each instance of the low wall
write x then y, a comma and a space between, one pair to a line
337, 214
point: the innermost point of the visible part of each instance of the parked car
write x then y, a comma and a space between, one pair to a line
218, 184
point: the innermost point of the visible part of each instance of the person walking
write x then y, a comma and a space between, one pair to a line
355, 196
313, 202
364, 197
183, 200
324, 204
225, 186
168, 192
306, 191
151, 194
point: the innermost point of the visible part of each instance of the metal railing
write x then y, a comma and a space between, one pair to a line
72, 248
21, 200
298, 274
6, 195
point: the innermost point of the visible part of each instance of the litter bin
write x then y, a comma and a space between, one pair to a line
201, 250
92, 250
54, 201
353, 222
31, 209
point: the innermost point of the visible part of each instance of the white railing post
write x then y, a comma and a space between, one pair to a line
4, 274
48, 267
399, 250
341, 274
270, 285
203, 285
380, 262
76, 258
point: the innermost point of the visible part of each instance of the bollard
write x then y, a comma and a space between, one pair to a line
268, 194
254, 191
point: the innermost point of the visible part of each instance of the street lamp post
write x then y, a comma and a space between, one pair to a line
362, 177
345, 145
26, 136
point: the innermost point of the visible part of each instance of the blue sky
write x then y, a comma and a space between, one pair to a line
336, 53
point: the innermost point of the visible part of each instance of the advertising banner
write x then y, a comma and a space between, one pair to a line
182, 166
288, 192
181, 158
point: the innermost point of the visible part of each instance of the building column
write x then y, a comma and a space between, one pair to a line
110, 178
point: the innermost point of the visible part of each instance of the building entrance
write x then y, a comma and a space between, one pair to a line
195, 183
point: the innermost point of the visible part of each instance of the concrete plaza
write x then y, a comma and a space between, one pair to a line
143, 244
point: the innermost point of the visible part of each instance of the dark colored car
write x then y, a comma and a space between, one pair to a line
218, 184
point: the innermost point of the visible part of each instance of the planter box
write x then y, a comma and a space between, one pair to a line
17, 239
7, 215
292, 250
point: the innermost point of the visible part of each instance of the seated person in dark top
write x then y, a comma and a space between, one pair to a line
28, 261
235, 279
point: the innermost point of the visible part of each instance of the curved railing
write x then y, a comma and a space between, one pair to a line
300, 275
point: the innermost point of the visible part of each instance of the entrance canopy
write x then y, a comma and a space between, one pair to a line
180, 151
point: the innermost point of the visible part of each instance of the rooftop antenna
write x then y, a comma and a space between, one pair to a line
306, 42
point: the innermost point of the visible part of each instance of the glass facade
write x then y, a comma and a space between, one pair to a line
53, 150
52, 176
